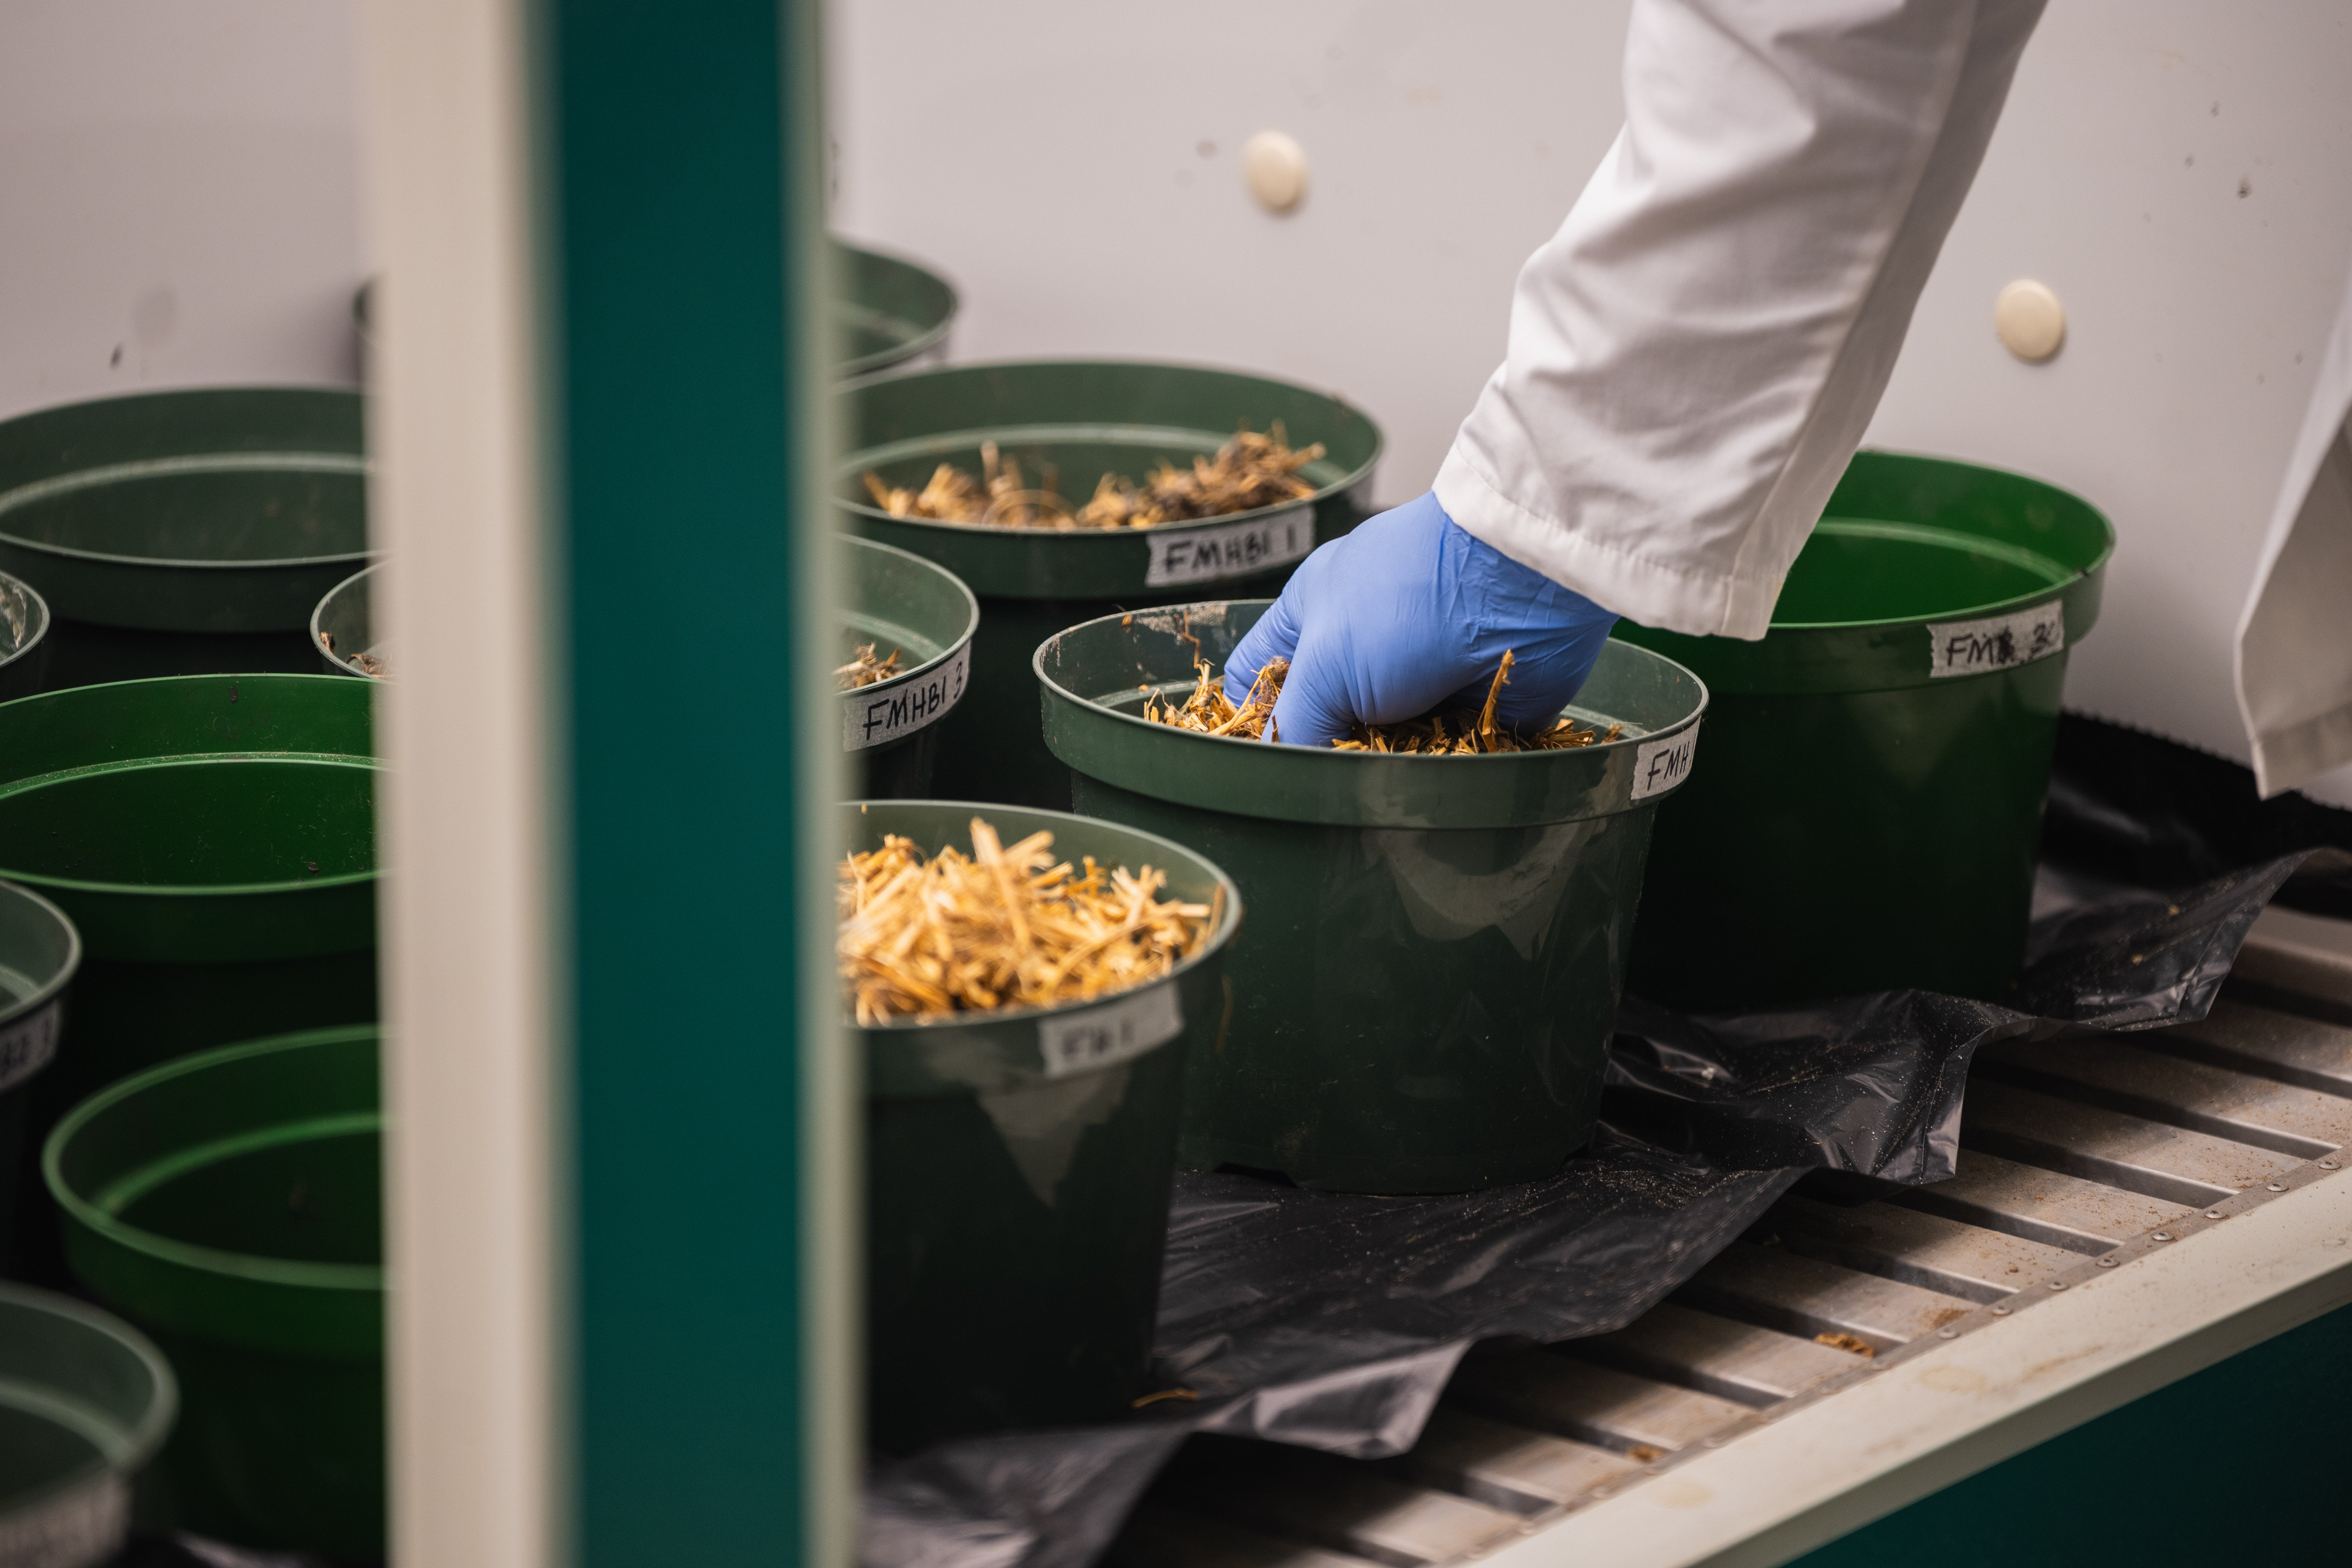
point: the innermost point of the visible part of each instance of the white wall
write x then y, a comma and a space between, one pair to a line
179, 195
178, 181
1072, 166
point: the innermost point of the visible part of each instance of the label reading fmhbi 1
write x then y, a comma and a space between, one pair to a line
1100, 1036
26, 1045
1236, 549
890, 712
2000, 642
1659, 765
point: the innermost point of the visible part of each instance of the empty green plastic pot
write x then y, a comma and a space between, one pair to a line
899, 602
893, 313
85, 1401
39, 952
1018, 1164
183, 532
24, 639
230, 1204
1871, 809
1436, 943
1085, 419
213, 839
342, 628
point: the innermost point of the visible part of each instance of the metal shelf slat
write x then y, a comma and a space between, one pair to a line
2040, 1204
1923, 1250
2302, 1123
1592, 1404
1774, 1287
2108, 1146
1338, 1504
1506, 1467
1721, 1356
2283, 1045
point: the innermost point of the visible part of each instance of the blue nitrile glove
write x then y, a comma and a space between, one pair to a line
1407, 612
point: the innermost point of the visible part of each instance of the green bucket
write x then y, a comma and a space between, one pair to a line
1086, 418
1871, 811
183, 532
1018, 1166
24, 639
894, 315
213, 839
340, 625
39, 952
84, 1403
1436, 943
230, 1204
897, 600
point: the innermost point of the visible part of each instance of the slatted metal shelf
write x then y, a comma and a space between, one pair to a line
2077, 1158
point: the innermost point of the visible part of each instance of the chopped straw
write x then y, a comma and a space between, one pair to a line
865, 669
1209, 711
1251, 470
1006, 926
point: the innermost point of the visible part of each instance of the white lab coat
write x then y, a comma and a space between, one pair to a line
2294, 640
1695, 353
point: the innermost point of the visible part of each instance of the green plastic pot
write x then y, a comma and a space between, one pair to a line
896, 599
1871, 809
24, 639
1086, 418
39, 952
183, 532
893, 313
1436, 944
1018, 1164
230, 1204
85, 1401
341, 624
213, 839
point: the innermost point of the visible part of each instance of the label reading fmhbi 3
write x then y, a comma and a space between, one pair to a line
1236, 549
2000, 642
1659, 765
1100, 1036
26, 1045
892, 711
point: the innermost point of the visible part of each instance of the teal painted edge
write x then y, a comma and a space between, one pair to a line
679, 165
2278, 1498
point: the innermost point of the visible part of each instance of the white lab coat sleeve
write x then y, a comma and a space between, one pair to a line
1694, 354
2294, 639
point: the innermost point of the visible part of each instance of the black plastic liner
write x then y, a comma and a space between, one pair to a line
1333, 1321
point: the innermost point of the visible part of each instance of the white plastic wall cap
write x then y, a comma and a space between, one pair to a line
1276, 167
2030, 319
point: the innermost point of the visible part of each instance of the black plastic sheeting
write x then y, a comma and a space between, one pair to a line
1333, 1321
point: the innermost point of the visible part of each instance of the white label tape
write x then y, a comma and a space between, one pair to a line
26, 1045
1659, 765
2000, 642
1101, 1036
1236, 549
869, 721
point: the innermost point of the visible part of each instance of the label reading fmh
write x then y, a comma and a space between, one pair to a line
26, 1045
1659, 765
1102, 1036
1972, 647
888, 713
1236, 549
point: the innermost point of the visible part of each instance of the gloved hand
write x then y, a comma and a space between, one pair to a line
1408, 611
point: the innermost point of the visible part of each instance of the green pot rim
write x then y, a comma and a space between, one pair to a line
50, 990
855, 462
141, 1442
962, 640
42, 618
341, 1277
1332, 788
338, 660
